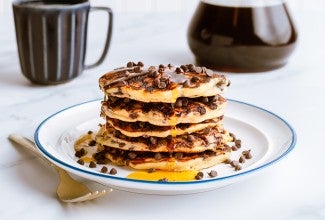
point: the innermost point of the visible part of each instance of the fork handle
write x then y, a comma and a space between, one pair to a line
28, 144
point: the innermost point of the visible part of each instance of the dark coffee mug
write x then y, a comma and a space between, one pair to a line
52, 36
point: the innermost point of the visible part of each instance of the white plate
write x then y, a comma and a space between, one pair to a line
269, 137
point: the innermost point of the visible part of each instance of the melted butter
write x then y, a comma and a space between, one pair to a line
173, 132
172, 122
175, 94
170, 175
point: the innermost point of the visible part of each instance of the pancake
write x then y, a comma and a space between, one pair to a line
138, 129
164, 114
206, 139
145, 160
165, 161
162, 84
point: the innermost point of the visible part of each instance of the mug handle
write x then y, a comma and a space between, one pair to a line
108, 37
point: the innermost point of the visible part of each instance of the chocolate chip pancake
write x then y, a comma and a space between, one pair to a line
164, 161
184, 110
162, 83
206, 139
89, 150
138, 128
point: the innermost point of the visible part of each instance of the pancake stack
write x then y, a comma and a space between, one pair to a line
163, 117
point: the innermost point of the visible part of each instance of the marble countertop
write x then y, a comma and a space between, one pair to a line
294, 188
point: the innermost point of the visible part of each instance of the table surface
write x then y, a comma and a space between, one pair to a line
291, 189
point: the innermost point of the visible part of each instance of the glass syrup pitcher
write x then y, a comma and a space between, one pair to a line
242, 35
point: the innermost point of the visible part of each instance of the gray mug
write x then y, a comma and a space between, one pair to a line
52, 36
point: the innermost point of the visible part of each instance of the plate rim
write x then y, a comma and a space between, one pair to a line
65, 165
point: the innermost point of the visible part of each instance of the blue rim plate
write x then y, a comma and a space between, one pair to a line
269, 137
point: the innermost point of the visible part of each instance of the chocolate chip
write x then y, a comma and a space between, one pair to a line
153, 140
162, 85
242, 159
178, 70
137, 69
113, 171
238, 167
132, 155
198, 69
213, 173
190, 138
158, 156
234, 148
184, 102
81, 162
127, 162
228, 84
178, 155
178, 103
186, 84
90, 132
151, 68
92, 164
247, 154
195, 79
234, 163
199, 176
184, 68
140, 64
213, 98
92, 143
205, 99
141, 124
156, 81
80, 152
191, 67
129, 64
133, 115
160, 70
150, 73
238, 143
209, 72
201, 110
161, 66
213, 106
104, 169
155, 74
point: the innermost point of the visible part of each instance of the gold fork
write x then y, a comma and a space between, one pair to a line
68, 190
